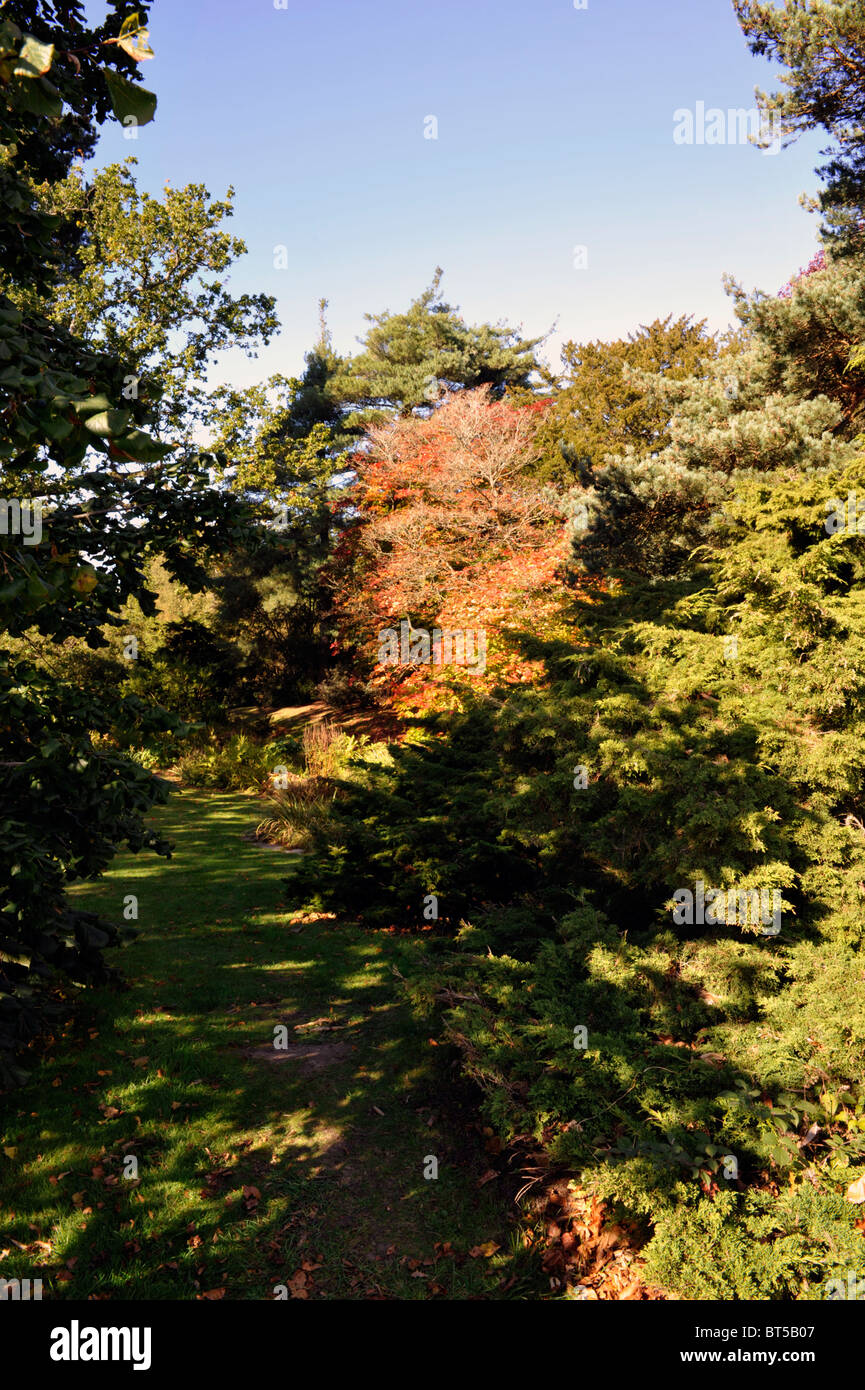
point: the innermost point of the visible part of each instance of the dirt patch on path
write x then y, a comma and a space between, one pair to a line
309, 1057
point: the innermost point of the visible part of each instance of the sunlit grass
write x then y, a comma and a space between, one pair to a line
157, 1074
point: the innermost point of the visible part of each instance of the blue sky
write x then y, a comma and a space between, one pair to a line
555, 130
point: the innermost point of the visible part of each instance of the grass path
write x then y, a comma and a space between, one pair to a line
307, 1171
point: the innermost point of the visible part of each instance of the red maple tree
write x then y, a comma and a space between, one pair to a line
453, 532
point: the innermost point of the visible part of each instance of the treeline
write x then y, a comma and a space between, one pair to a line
641, 861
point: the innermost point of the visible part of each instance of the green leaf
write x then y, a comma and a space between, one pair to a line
108, 423
92, 405
57, 428
141, 448
41, 98
10, 36
130, 25
129, 100
38, 590
35, 58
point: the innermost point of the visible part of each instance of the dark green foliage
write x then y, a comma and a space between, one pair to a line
441, 833
601, 408
705, 1041
65, 807
110, 499
271, 617
35, 243
192, 673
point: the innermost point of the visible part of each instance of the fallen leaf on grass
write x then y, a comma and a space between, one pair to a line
713, 1059
488, 1249
856, 1190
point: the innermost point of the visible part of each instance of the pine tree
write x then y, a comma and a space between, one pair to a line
599, 409
821, 43
782, 394
411, 359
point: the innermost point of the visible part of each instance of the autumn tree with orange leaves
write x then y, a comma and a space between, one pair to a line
452, 527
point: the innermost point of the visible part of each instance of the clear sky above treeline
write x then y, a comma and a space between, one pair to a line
555, 130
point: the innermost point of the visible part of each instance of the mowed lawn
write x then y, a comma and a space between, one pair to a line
151, 1157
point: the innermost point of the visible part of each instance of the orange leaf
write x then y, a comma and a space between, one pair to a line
488, 1249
